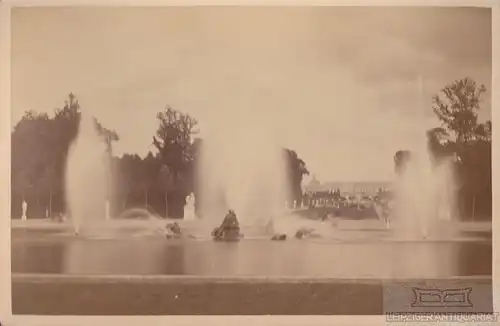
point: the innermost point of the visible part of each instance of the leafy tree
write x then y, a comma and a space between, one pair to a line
296, 169
31, 153
483, 131
173, 142
67, 122
149, 171
167, 181
108, 136
457, 108
195, 179
470, 141
50, 184
39, 150
173, 139
439, 143
130, 165
40, 147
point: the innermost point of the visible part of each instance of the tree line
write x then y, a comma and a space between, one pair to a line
162, 179
158, 182
462, 137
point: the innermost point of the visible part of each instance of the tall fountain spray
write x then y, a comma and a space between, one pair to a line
86, 170
424, 192
243, 168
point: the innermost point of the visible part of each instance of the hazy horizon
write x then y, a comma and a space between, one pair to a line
339, 83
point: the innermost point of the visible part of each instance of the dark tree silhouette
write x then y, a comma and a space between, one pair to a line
457, 108
158, 182
401, 159
40, 147
462, 138
296, 169
174, 144
469, 141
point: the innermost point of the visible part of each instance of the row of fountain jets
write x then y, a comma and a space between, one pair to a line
424, 194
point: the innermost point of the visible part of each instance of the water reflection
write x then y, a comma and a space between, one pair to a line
476, 260
113, 257
173, 260
253, 258
44, 257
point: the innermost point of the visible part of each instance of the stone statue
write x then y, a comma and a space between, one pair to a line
229, 230
25, 209
279, 237
173, 231
189, 209
304, 232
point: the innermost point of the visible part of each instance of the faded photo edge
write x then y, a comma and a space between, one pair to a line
5, 281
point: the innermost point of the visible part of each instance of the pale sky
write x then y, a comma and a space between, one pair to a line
340, 83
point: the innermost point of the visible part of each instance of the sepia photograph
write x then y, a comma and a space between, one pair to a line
252, 160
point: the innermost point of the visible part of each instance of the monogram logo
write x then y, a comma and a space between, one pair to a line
442, 298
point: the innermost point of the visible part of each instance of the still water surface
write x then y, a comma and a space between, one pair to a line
47, 254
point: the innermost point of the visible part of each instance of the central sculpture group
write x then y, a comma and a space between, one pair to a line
229, 230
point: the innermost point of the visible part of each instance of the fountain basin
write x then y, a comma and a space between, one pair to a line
368, 257
57, 273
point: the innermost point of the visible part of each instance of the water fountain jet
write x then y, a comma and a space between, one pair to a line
86, 167
243, 168
424, 190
